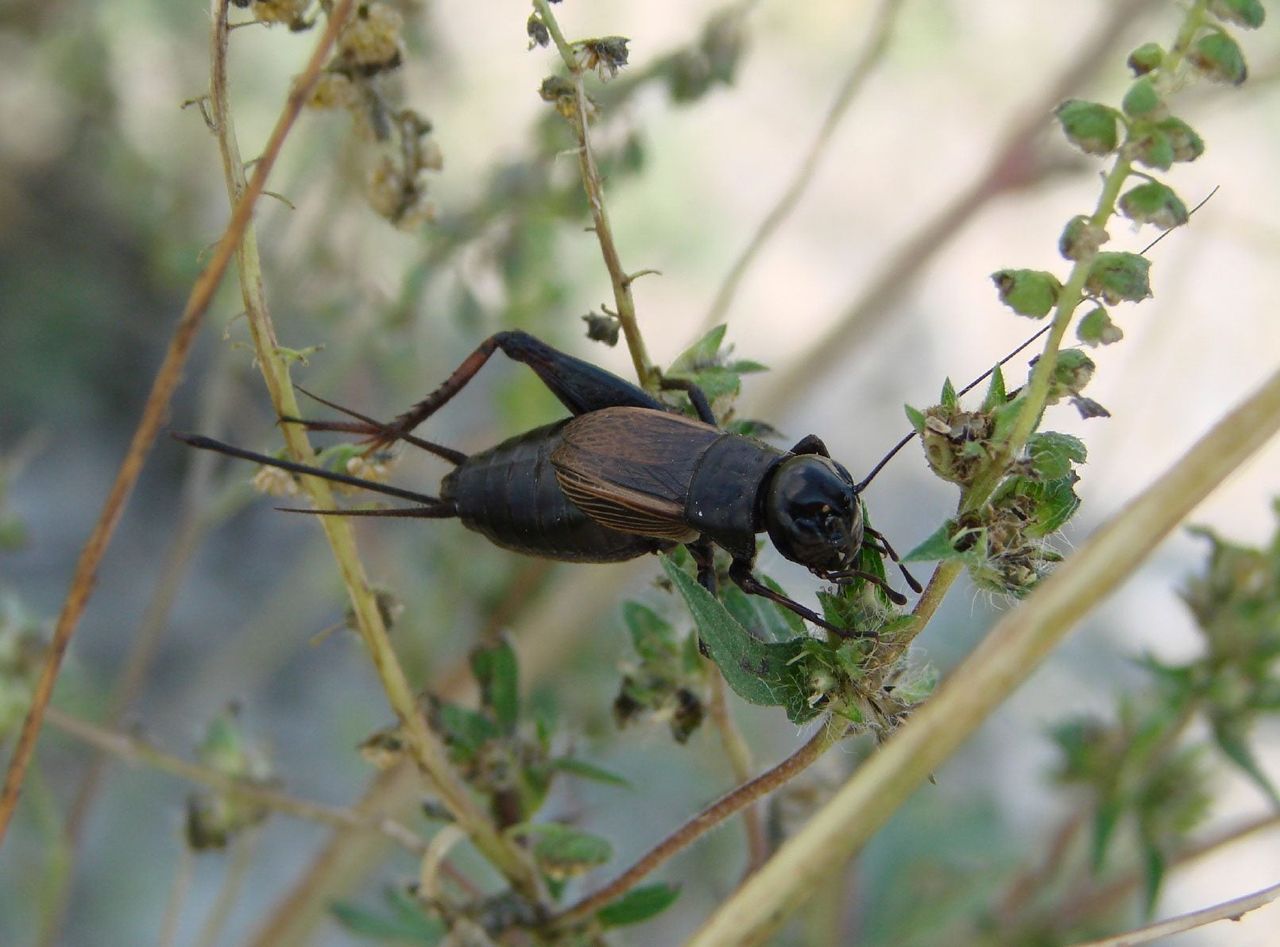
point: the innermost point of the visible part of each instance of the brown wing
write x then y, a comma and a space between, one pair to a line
629, 468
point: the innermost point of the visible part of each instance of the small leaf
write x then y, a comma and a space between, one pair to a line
1154, 203
759, 672
1247, 13
498, 675
1104, 826
1027, 292
1142, 99
996, 395
1054, 455
564, 852
585, 770
1119, 277
1185, 144
916, 417
1081, 238
1153, 864
1006, 417
638, 904
949, 398
466, 730
1096, 328
1146, 58
1152, 146
1229, 736
651, 635
936, 547
761, 617
1219, 58
701, 354
366, 923
1090, 126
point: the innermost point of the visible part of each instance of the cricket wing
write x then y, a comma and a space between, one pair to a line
629, 469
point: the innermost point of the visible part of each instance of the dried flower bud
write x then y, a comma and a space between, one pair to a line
371, 39
1081, 238
606, 55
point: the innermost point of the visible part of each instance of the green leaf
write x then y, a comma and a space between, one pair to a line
1184, 143
1230, 737
1152, 876
1090, 126
366, 923
996, 395
466, 729
563, 852
916, 417
1146, 58
1219, 58
949, 398
765, 673
1105, 821
1142, 99
1247, 13
1027, 292
651, 635
1119, 277
1054, 455
638, 904
745, 366
1154, 203
762, 617
937, 547
1096, 328
585, 770
497, 672
1056, 502
701, 354
1152, 146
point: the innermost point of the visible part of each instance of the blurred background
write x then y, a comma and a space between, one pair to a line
873, 289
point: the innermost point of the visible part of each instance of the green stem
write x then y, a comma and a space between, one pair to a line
593, 185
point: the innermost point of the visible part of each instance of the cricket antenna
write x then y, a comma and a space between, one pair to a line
963, 391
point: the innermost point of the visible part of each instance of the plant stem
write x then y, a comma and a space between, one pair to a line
739, 756
832, 732
1231, 910
154, 411
131, 749
425, 746
594, 188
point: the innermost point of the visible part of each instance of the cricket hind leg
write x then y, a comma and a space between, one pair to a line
372, 430
580, 386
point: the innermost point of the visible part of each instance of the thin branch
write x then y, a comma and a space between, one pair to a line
1010, 652
739, 756
235, 873
1098, 900
191, 525
1231, 910
425, 746
132, 749
594, 188
871, 55
831, 733
153, 416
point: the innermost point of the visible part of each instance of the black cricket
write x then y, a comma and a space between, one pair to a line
624, 476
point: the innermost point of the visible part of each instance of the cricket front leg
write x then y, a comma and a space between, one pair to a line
742, 576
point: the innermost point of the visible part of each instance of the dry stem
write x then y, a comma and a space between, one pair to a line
425, 746
153, 415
